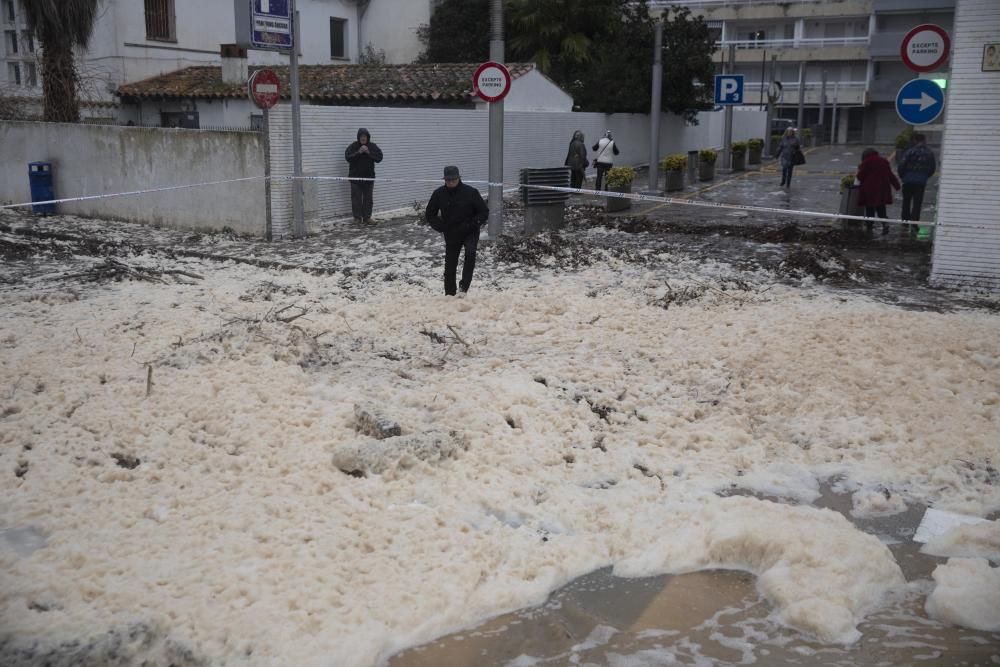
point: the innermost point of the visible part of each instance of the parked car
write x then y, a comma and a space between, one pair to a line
779, 125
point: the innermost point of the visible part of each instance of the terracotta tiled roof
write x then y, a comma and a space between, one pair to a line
333, 84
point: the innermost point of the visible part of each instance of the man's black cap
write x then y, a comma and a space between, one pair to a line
450, 172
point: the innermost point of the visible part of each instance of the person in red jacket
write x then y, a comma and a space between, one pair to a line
876, 179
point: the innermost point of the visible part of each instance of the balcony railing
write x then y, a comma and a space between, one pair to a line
803, 42
810, 85
735, 3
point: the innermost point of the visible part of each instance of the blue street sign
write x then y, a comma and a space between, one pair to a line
919, 101
272, 24
729, 89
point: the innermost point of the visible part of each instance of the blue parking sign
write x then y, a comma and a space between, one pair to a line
729, 89
272, 24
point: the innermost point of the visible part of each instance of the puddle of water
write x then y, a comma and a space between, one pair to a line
713, 617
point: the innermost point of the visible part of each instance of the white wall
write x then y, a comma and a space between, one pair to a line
391, 25
120, 53
418, 143
534, 92
90, 159
967, 240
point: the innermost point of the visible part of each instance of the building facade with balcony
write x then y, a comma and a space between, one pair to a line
839, 57
136, 39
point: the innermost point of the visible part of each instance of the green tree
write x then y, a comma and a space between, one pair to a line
618, 78
560, 35
61, 26
458, 32
600, 51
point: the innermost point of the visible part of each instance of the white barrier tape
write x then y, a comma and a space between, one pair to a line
511, 186
637, 197
133, 192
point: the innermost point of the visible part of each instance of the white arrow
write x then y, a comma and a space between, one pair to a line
924, 101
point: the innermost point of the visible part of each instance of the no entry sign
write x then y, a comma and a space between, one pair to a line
265, 90
925, 48
491, 81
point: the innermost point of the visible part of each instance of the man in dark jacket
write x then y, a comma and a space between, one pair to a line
362, 156
457, 210
915, 168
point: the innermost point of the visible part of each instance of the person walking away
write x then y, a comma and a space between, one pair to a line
789, 147
457, 211
915, 168
606, 149
362, 156
576, 160
876, 178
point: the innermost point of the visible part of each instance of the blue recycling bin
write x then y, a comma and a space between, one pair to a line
40, 179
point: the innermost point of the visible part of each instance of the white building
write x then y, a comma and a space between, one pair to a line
967, 239
133, 40
213, 96
854, 44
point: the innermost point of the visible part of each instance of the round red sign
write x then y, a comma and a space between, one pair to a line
264, 88
925, 48
491, 81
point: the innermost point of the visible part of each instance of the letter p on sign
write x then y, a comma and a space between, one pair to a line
728, 88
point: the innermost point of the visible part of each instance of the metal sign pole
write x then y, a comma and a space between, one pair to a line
268, 234
495, 226
654, 110
771, 103
298, 224
727, 149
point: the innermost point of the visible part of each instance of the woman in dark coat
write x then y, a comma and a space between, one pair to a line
576, 159
877, 180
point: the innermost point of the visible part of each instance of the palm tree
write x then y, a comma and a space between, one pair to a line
61, 26
555, 34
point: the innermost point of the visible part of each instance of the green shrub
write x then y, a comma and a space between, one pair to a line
807, 133
847, 182
739, 147
904, 139
620, 177
675, 162
755, 144
776, 137
707, 156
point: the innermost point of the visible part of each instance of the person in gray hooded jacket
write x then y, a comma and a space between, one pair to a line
362, 156
576, 160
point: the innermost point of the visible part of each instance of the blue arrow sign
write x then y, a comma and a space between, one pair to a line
919, 101
272, 24
729, 89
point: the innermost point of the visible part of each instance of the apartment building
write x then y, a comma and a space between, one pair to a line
136, 39
840, 57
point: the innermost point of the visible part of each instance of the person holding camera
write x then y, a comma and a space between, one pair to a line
362, 156
457, 210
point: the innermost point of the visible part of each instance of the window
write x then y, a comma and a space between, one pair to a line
31, 76
338, 38
13, 74
160, 24
8, 11
27, 41
756, 36
10, 42
185, 119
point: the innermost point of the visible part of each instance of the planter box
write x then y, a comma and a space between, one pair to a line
849, 205
617, 203
754, 155
674, 181
774, 146
706, 171
740, 161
